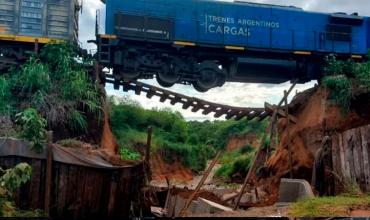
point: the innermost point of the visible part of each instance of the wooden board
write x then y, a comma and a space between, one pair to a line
351, 156
79, 192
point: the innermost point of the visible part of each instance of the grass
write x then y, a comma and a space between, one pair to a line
340, 90
235, 162
329, 206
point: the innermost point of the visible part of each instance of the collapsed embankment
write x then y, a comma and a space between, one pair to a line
318, 119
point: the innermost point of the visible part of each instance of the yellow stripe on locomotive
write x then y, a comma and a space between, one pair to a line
28, 39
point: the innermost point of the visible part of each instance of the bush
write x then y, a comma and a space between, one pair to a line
57, 85
5, 96
246, 149
33, 128
362, 74
340, 90
128, 154
338, 67
225, 171
234, 162
10, 180
33, 77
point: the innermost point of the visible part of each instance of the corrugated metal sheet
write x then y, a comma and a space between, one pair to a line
31, 17
40, 18
8, 16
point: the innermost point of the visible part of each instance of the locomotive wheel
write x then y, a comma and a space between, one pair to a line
198, 88
168, 76
163, 83
208, 79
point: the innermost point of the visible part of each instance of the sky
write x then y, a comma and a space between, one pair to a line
235, 94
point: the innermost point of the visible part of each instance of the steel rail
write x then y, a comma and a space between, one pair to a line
187, 102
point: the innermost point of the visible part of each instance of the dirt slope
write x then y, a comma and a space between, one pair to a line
175, 172
316, 116
237, 142
108, 141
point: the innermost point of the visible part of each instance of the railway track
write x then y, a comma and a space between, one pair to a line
187, 102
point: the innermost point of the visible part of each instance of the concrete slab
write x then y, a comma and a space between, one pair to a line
292, 190
208, 207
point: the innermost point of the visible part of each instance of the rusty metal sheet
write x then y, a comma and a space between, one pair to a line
75, 156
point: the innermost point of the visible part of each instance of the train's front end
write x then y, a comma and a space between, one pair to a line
368, 33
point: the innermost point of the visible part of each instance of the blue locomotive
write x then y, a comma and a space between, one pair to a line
208, 42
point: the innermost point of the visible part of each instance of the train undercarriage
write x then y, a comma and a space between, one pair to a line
204, 69
12, 53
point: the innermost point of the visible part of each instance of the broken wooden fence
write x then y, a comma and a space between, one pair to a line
351, 156
76, 191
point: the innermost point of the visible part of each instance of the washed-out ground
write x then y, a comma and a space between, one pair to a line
315, 115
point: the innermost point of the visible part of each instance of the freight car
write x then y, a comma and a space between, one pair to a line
26, 25
208, 42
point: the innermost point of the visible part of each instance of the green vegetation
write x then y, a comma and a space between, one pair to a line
128, 154
341, 90
33, 127
10, 180
192, 143
329, 206
343, 77
237, 161
51, 90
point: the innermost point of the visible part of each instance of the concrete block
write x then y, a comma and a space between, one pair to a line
206, 206
292, 190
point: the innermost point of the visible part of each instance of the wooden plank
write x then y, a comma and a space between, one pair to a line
73, 179
112, 198
62, 189
252, 115
49, 168
35, 184
187, 105
197, 107
208, 110
358, 161
349, 153
147, 153
365, 142
150, 93
341, 156
241, 115
174, 100
220, 112
163, 98
231, 114
138, 89
263, 115
336, 160
200, 184
126, 86
280, 112
289, 138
